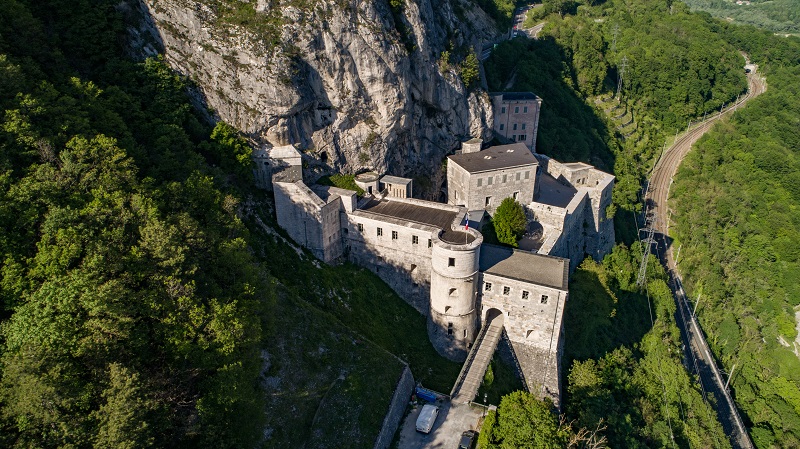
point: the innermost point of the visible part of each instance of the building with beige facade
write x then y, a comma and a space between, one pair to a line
516, 116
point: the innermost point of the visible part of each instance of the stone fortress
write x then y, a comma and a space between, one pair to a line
434, 255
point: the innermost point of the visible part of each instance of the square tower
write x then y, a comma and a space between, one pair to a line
516, 116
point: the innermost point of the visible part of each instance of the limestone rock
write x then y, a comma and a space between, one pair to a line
334, 76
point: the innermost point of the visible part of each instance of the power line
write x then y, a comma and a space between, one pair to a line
621, 75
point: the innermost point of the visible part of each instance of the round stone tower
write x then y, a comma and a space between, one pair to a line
453, 317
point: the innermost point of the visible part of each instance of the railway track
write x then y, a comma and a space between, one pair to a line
698, 356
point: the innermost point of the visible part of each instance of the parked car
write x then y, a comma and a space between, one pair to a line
427, 417
468, 439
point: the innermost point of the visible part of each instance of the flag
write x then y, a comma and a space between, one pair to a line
466, 225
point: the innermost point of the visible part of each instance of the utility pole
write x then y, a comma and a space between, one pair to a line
621, 75
649, 229
729, 377
696, 303
678, 256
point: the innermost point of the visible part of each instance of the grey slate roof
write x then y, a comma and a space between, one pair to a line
395, 180
438, 218
524, 266
511, 96
495, 158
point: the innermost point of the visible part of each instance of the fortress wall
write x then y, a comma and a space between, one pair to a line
541, 367
548, 215
526, 320
601, 241
535, 330
504, 184
457, 185
397, 408
299, 212
331, 231
393, 260
463, 186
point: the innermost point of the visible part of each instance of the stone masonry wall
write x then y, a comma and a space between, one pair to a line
497, 184
299, 214
393, 259
534, 329
397, 409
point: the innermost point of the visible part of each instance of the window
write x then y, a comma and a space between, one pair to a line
430, 243
523, 137
487, 286
523, 126
503, 111
516, 110
525, 294
506, 290
465, 333
361, 227
480, 181
489, 180
488, 201
502, 126
449, 328
451, 262
517, 176
380, 232
525, 110
515, 195
544, 299
453, 292
527, 174
505, 178
514, 127
415, 240
394, 235
413, 267
514, 137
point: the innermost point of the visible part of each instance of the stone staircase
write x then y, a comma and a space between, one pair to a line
474, 368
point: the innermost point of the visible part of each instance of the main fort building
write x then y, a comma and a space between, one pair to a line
434, 255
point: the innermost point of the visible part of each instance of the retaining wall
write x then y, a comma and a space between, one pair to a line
397, 409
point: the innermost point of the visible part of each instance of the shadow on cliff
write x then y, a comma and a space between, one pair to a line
569, 129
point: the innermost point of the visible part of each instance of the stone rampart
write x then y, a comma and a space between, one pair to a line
397, 409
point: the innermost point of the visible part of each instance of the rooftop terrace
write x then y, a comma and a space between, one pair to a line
554, 193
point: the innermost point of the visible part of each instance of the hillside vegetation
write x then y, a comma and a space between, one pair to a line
736, 218
780, 16
142, 302
677, 68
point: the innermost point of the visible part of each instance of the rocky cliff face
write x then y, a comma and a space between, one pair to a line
354, 83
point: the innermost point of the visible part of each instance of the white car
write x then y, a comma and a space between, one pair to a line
426, 418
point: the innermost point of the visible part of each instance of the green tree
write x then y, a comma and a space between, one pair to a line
523, 422
469, 70
510, 222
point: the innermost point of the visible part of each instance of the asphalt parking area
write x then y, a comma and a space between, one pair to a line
452, 421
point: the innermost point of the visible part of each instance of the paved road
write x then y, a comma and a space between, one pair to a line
697, 355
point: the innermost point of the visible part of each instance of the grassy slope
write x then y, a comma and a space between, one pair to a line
337, 329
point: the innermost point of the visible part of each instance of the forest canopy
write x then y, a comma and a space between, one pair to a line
118, 330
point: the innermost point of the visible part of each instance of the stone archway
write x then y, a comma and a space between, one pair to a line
491, 314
